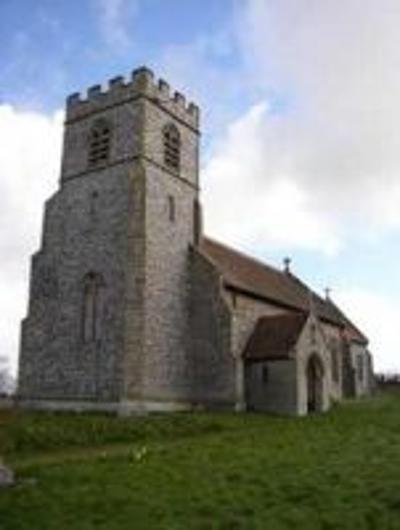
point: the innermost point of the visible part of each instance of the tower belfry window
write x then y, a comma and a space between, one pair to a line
99, 143
172, 146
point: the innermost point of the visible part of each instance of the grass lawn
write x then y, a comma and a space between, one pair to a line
204, 471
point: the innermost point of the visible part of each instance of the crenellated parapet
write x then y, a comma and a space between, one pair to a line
120, 91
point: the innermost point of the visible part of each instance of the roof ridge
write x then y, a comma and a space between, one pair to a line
305, 285
243, 254
346, 321
257, 278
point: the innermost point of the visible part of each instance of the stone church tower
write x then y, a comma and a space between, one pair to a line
108, 310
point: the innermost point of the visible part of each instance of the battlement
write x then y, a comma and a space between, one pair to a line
120, 90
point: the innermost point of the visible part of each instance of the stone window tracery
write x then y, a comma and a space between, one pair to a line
99, 143
93, 297
172, 146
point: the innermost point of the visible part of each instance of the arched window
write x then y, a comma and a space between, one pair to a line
92, 310
172, 146
99, 143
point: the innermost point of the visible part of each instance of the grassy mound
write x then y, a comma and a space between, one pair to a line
204, 471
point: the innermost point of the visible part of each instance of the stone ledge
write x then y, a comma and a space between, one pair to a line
123, 408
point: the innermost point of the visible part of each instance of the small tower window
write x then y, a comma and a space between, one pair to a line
99, 143
93, 204
171, 208
93, 298
172, 146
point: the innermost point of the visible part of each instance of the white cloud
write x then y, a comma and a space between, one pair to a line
198, 69
28, 174
115, 18
378, 314
336, 66
251, 194
320, 168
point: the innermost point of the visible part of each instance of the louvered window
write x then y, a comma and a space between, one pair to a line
99, 144
172, 147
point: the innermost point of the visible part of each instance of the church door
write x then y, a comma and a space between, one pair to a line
314, 384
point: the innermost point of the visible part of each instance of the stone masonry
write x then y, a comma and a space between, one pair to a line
131, 308
112, 221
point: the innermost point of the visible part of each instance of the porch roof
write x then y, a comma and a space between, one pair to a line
274, 336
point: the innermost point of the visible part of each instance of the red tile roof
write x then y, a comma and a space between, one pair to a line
274, 336
254, 278
351, 330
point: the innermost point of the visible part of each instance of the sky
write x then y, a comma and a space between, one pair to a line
300, 157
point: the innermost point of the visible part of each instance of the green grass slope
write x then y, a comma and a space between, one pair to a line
204, 471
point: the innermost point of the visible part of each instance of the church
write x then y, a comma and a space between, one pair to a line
133, 309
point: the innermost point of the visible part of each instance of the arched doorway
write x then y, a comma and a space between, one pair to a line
315, 374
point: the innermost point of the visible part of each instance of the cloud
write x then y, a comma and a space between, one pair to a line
115, 18
379, 315
28, 175
333, 66
252, 202
338, 64
199, 68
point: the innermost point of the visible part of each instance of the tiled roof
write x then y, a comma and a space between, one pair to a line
274, 336
253, 277
351, 330
248, 275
